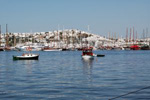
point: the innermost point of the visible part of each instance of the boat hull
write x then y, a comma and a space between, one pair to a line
1, 49
87, 57
26, 57
52, 50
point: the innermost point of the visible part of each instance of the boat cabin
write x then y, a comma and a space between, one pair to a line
87, 51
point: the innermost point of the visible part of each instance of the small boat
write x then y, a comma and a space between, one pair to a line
51, 49
7, 48
98, 55
145, 47
87, 53
27, 56
134, 47
1, 49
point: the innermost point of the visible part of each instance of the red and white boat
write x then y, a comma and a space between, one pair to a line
87, 53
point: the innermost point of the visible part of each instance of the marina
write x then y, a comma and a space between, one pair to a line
69, 39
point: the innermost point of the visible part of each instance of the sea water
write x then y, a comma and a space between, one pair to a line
64, 75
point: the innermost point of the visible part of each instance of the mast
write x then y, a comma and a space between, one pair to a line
0, 35
115, 36
136, 36
126, 34
7, 36
130, 34
143, 34
147, 33
108, 35
133, 34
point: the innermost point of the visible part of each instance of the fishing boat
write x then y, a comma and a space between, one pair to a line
87, 53
26, 56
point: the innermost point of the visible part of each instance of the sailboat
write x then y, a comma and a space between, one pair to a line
27, 56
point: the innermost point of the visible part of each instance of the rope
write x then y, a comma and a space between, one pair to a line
129, 93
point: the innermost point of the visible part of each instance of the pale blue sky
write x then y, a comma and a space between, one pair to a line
102, 16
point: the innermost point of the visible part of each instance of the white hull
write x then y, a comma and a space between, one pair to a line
53, 50
27, 55
87, 57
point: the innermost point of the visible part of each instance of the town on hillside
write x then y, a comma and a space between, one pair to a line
70, 39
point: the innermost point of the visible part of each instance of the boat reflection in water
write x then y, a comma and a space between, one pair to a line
87, 68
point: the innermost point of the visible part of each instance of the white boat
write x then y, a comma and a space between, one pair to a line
27, 56
51, 49
33, 47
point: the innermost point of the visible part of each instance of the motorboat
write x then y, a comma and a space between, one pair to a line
26, 56
87, 53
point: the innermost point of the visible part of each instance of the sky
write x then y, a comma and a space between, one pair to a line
102, 16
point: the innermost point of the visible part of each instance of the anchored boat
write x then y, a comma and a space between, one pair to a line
26, 56
87, 53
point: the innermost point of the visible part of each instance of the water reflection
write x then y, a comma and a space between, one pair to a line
27, 64
87, 67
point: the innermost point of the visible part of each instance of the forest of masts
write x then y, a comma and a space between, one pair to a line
72, 36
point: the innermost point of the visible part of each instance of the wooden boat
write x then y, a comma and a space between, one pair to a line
87, 53
26, 56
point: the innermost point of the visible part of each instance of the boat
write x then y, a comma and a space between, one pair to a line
27, 56
1, 48
7, 48
51, 49
98, 55
87, 53
135, 47
145, 47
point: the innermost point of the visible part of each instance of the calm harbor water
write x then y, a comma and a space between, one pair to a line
65, 76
